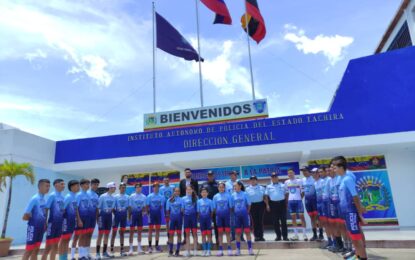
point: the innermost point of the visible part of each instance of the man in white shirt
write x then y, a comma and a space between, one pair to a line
294, 189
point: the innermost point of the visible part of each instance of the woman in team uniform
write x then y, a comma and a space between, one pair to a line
174, 211
222, 205
190, 219
205, 211
241, 208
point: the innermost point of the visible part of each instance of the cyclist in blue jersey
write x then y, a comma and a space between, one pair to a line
335, 220
350, 205
36, 216
155, 202
190, 219
229, 188
174, 210
310, 199
83, 201
54, 206
166, 190
205, 213
326, 208
106, 205
71, 218
137, 207
120, 217
222, 205
241, 208
318, 186
93, 213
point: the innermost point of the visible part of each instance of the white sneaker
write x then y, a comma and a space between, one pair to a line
294, 238
131, 252
208, 253
98, 256
140, 251
230, 253
194, 253
186, 254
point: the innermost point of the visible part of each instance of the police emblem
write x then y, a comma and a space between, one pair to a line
260, 106
151, 120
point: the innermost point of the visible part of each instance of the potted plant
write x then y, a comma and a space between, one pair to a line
9, 171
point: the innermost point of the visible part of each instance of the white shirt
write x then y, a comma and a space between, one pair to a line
294, 189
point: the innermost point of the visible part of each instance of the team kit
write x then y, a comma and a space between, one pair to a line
329, 193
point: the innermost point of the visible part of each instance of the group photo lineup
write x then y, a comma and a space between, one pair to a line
207, 128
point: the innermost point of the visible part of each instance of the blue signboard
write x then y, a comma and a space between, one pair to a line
375, 96
265, 170
220, 173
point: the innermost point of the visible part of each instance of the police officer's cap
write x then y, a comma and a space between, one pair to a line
210, 173
253, 177
304, 168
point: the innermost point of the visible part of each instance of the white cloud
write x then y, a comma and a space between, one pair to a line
95, 40
43, 109
94, 67
332, 47
223, 67
37, 54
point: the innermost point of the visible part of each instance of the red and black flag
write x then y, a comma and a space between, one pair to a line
253, 22
220, 9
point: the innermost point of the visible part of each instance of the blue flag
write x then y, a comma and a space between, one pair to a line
172, 42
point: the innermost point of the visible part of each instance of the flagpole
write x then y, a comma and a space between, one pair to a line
198, 49
154, 58
249, 51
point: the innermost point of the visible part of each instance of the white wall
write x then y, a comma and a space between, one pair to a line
401, 169
399, 149
24, 147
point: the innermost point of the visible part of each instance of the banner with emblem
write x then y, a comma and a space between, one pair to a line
373, 186
248, 110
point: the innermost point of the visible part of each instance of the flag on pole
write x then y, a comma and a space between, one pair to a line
172, 42
253, 21
219, 7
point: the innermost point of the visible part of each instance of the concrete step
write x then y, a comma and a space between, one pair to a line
284, 245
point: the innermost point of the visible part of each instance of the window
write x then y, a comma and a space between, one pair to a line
402, 38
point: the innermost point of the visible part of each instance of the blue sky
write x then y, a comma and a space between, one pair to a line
82, 68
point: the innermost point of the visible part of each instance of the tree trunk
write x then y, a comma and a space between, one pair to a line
6, 216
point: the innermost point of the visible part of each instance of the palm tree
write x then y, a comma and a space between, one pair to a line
11, 170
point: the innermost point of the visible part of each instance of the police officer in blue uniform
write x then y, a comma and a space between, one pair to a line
276, 203
256, 195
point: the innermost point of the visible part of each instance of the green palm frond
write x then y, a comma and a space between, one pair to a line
12, 169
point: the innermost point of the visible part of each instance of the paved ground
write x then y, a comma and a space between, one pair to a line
289, 254
393, 234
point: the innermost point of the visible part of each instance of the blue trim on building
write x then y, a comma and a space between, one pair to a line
376, 96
